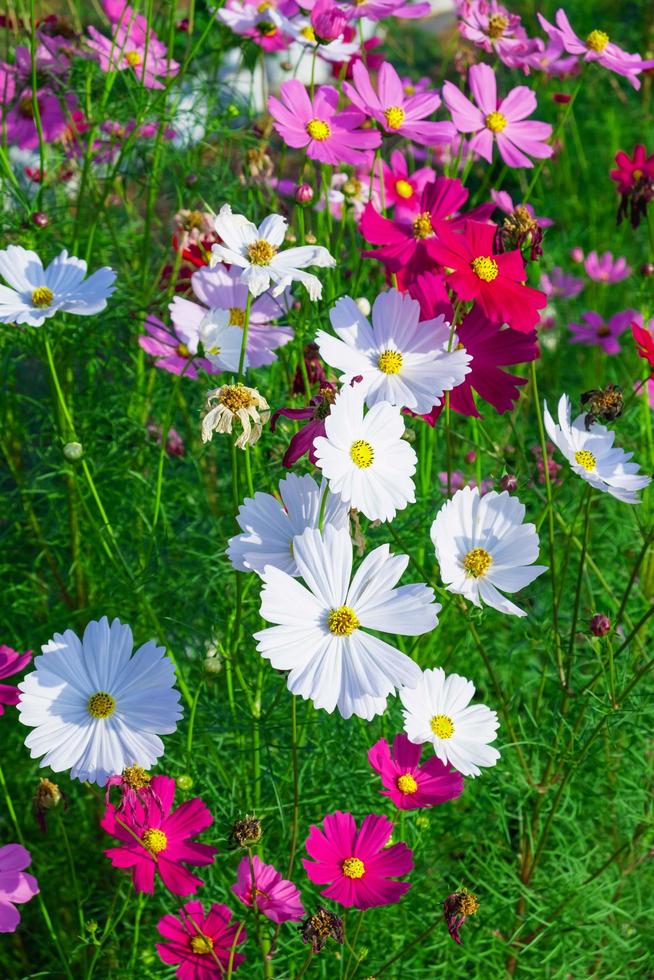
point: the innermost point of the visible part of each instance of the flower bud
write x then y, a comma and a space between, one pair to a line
328, 21
509, 482
40, 219
647, 269
561, 97
184, 782
470, 456
73, 451
577, 254
304, 194
213, 665
600, 624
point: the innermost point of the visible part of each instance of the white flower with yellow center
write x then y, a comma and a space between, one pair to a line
399, 359
34, 294
483, 548
364, 457
230, 402
593, 456
257, 252
221, 342
438, 710
268, 526
96, 709
321, 635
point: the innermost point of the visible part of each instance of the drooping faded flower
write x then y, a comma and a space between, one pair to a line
456, 909
263, 885
230, 402
321, 926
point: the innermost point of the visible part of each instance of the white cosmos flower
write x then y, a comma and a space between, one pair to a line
593, 456
438, 710
400, 360
321, 633
96, 709
222, 343
257, 252
37, 293
364, 457
482, 546
269, 526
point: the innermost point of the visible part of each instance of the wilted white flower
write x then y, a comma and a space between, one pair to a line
235, 401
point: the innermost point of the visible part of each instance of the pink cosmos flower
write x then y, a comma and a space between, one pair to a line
492, 347
201, 944
375, 10
173, 348
330, 136
278, 899
156, 840
127, 49
328, 20
220, 288
263, 26
503, 122
597, 47
119, 12
632, 169
490, 26
16, 887
560, 283
410, 785
595, 332
398, 113
355, 864
343, 69
55, 118
402, 189
602, 268
505, 203
496, 281
456, 480
11, 662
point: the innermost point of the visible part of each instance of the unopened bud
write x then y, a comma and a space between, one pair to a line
647, 269
561, 97
509, 482
470, 456
304, 194
577, 254
73, 451
600, 624
40, 219
184, 782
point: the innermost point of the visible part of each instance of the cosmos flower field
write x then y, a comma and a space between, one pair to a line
327, 353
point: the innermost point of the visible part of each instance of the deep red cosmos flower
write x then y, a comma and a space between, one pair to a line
644, 342
314, 415
494, 280
632, 169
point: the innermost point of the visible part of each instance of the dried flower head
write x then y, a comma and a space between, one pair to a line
316, 929
456, 909
47, 797
246, 833
228, 402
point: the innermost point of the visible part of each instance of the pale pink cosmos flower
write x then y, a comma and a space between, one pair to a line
129, 49
375, 10
503, 122
16, 887
490, 26
603, 268
398, 113
560, 283
329, 135
596, 332
278, 899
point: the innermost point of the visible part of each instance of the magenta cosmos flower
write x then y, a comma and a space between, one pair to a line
173, 348
16, 887
602, 268
201, 944
156, 840
356, 864
10, 663
56, 118
398, 113
596, 332
492, 347
597, 47
630, 170
504, 122
495, 280
129, 49
329, 136
410, 785
401, 188
278, 899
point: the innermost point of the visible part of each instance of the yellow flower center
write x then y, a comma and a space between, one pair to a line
353, 868
42, 297
497, 24
201, 944
394, 116
636, 174
235, 397
603, 331
496, 122
26, 107
442, 726
101, 705
214, 351
485, 268
183, 350
477, 562
136, 777
261, 252
309, 33
343, 621
468, 903
318, 130
133, 59
236, 316
155, 840
422, 227
390, 362
264, 6
404, 189
362, 454
586, 459
597, 40
352, 187
406, 783
266, 28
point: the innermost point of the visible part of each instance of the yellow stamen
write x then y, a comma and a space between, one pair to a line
496, 122
42, 297
155, 840
407, 784
477, 562
261, 252
235, 397
133, 59
497, 24
597, 40
353, 868
586, 459
318, 130
390, 362
394, 116
236, 316
422, 227
442, 726
362, 454
309, 33
485, 268
183, 350
201, 944
136, 777
342, 621
101, 705
404, 189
